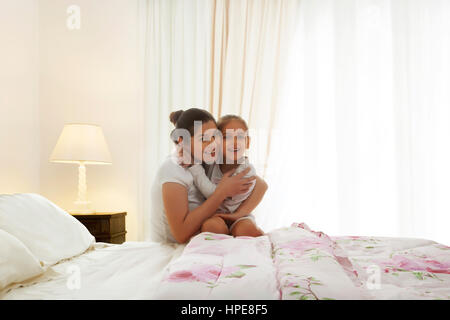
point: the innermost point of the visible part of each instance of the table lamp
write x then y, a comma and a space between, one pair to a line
81, 144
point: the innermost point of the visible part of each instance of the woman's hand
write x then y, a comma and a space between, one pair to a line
185, 158
233, 185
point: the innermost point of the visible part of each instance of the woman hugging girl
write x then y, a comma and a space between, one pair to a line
188, 200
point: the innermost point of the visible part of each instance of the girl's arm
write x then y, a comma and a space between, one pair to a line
201, 181
184, 223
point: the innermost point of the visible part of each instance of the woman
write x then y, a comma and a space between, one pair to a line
179, 209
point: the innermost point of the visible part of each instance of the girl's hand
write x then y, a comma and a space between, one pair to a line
233, 185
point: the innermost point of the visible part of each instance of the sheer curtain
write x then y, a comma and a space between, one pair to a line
363, 125
347, 100
225, 56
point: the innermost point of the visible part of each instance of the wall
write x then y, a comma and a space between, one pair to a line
19, 114
91, 75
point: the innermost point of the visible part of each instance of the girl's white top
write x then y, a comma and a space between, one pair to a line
207, 186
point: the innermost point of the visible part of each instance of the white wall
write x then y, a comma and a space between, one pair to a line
19, 117
91, 75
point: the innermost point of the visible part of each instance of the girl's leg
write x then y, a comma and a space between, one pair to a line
246, 227
215, 225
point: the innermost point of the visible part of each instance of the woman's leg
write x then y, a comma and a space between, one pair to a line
215, 225
246, 227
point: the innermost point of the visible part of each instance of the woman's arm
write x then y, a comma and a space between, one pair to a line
184, 224
249, 204
254, 199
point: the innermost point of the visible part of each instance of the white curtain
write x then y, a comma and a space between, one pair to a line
349, 118
363, 127
226, 56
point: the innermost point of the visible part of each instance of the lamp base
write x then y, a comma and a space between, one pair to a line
82, 207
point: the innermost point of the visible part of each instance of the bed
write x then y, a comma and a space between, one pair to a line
291, 263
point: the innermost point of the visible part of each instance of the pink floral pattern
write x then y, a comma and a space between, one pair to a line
298, 247
404, 263
207, 273
303, 260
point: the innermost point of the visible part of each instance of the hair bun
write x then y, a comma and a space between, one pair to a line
174, 116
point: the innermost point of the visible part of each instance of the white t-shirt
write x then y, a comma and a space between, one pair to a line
170, 171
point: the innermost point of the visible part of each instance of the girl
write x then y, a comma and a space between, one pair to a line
179, 210
234, 129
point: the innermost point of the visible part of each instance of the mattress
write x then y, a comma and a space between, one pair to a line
292, 263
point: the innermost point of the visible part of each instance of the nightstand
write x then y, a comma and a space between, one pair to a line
104, 226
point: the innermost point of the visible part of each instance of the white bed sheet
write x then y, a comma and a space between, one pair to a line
131, 270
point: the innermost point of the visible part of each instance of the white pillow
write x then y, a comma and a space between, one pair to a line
50, 233
17, 263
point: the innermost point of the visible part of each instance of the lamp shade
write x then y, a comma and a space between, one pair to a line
81, 142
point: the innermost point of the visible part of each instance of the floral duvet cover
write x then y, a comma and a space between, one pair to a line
297, 263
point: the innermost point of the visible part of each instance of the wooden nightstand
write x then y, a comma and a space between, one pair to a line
104, 226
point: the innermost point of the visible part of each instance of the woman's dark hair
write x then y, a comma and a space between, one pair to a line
185, 119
